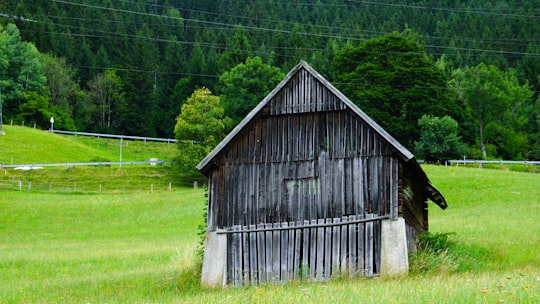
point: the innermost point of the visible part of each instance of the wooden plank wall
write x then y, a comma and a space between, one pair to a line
305, 159
314, 250
296, 191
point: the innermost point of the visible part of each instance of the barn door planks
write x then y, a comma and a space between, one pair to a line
316, 249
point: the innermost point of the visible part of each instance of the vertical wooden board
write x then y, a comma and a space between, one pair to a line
261, 254
253, 256
220, 197
356, 186
276, 253
234, 204
360, 243
366, 199
233, 191
312, 129
255, 176
240, 199
306, 251
340, 177
373, 175
246, 267
364, 141
347, 187
291, 251
263, 192
289, 134
237, 257
321, 195
301, 138
269, 254
225, 208
265, 129
353, 248
279, 138
394, 182
213, 195
278, 181
256, 142
344, 250
230, 259
338, 132
313, 248
271, 147
290, 187
336, 246
296, 94
301, 92
369, 247
309, 97
320, 250
330, 135
297, 256
318, 97
246, 148
377, 246
270, 181
292, 138
328, 249
284, 272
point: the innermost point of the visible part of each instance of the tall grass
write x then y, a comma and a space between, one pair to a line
136, 248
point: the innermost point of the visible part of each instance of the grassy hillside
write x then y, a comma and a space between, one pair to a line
22, 145
140, 248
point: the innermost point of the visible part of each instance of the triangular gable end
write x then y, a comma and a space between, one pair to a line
205, 164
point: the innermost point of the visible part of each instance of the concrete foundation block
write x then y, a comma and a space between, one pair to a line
394, 254
214, 268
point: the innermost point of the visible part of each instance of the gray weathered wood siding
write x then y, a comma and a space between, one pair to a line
316, 249
301, 185
305, 160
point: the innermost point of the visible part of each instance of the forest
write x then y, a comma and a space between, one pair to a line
447, 78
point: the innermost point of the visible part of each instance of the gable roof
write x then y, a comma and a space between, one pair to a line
430, 191
405, 154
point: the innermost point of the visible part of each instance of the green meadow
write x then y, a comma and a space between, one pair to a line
140, 247
22, 145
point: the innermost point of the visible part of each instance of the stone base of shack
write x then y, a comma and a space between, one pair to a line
394, 253
214, 268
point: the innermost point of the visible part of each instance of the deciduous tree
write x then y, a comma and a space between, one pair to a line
439, 139
494, 96
393, 80
199, 128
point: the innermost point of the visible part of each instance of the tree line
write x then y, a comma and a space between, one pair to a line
469, 71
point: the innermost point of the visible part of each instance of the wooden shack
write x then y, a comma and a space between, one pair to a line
308, 186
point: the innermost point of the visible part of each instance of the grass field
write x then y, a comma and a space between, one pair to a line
139, 247
23, 145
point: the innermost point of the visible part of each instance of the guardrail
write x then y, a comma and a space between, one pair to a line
501, 162
98, 135
40, 166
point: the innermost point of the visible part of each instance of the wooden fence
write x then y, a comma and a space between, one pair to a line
316, 249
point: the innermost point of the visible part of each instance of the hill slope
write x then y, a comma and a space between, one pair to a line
23, 145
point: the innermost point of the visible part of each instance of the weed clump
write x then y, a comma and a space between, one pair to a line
434, 254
